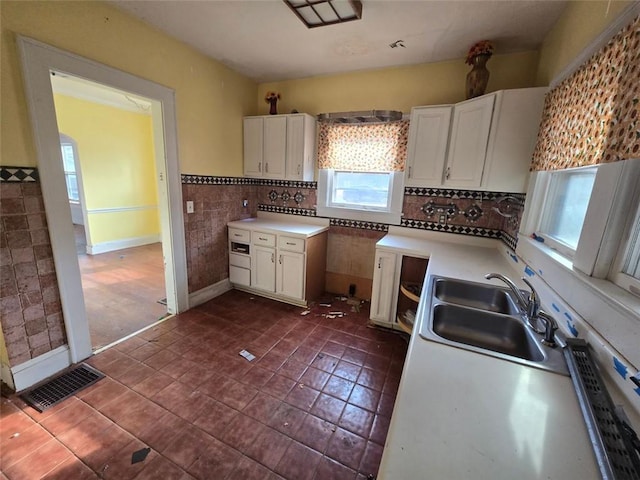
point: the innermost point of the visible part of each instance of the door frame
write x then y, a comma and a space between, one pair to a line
38, 61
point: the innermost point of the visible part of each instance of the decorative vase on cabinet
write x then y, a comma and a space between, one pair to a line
478, 77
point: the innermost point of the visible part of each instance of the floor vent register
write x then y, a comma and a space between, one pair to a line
61, 387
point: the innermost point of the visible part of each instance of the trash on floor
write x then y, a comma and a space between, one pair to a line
249, 356
139, 455
306, 312
325, 305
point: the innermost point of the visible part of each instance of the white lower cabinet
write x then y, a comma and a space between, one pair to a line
383, 291
263, 273
278, 265
397, 285
290, 274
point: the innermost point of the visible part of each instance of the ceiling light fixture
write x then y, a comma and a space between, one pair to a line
319, 13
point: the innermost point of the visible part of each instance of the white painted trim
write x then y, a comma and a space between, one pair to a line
122, 209
114, 245
601, 40
40, 368
6, 376
38, 60
208, 293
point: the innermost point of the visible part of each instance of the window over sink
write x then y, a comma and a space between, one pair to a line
361, 171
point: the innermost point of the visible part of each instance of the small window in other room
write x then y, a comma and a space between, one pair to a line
361, 171
69, 157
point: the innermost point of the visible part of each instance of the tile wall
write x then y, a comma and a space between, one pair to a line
30, 307
351, 246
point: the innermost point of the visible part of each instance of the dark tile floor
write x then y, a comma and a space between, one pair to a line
314, 404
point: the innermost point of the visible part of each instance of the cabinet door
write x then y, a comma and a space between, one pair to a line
383, 287
295, 147
290, 274
263, 268
468, 142
275, 146
253, 135
428, 137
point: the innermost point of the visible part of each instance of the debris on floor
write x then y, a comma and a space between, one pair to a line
306, 312
140, 455
249, 356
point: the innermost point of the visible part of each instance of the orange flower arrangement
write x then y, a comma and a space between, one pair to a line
483, 47
271, 96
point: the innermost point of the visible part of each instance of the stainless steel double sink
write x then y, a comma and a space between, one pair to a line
485, 319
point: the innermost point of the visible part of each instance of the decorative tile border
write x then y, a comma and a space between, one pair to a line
341, 222
19, 174
508, 240
212, 180
459, 229
305, 212
467, 194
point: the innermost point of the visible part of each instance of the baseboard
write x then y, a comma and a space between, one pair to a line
6, 377
37, 369
207, 293
113, 245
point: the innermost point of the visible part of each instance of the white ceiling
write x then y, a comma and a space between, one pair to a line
264, 40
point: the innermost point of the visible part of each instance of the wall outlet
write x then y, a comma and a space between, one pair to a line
245, 203
442, 218
190, 206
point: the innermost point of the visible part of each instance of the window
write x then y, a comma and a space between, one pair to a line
69, 164
361, 174
626, 271
565, 208
591, 216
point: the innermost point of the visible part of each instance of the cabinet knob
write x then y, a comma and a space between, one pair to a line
448, 174
409, 172
260, 166
266, 167
273, 258
280, 260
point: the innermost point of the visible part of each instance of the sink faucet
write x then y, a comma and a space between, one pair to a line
529, 307
550, 327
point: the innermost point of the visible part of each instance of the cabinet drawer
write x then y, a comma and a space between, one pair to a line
291, 243
243, 261
264, 239
236, 235
240, 276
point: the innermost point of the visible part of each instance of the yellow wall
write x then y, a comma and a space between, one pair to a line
211, 99
396, 88
579, 25
115, 149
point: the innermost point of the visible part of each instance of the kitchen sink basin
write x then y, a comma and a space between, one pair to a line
498, 333
485, 319
476, 295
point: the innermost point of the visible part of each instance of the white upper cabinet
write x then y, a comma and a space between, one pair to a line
280, 146
488, 145
301, 147
253, 133
468, 142
514, 131
427, 149
274, 146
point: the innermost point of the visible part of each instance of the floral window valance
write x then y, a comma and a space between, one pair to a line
380, 147
593, 116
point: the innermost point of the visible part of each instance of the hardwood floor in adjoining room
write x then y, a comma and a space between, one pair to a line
315, 403
121, 290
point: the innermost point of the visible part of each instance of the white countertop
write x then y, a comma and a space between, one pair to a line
460, 414
276, 225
